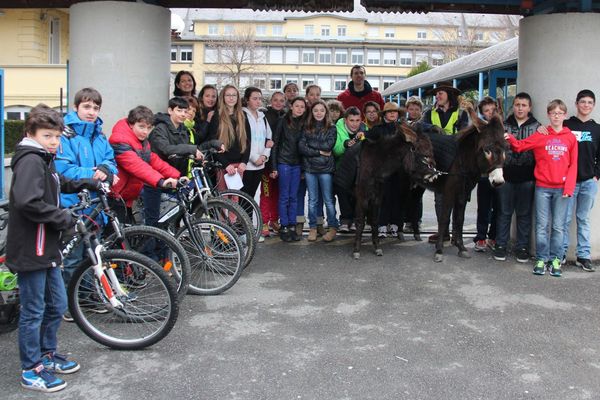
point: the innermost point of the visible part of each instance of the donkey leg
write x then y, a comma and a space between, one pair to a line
443, 221
457, 228
373, 211
359, 220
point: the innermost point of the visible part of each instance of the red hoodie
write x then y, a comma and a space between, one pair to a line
555, 158
136, 163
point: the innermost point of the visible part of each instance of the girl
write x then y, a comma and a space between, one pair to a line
316, 145
207, 103
230, 126
291, 92
269, 194
371, 113
286, 165
336, 110
185, 84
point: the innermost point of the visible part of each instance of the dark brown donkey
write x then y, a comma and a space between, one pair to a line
404, 151
479, 151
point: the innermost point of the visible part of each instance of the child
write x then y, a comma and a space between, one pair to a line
371, 112
316, 145
414, 109
555, 173
138, 165
286, 166
290, 90
84, 152
34, 230
336, 110
313, 94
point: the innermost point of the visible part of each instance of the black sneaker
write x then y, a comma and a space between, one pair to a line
500, 253
585, 264
284, 234
293, 235
522, 255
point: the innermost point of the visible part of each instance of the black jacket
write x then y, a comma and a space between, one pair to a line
588, 150
310, 145
286, 140
166, 140
233, 154
518, 167
35, 219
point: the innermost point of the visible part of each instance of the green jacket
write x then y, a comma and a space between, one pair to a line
342, 135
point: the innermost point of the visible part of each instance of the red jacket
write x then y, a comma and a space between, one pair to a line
350, 97
555, 158
136, 163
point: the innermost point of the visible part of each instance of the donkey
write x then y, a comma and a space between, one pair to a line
479, 151
404, 151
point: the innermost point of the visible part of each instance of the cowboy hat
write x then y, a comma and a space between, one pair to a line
446, 86
389, 106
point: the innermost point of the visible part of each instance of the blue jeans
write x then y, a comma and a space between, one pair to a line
151, 199
43, 303
583, 201
514, 198
289, 180
320, 185
302, 188
550, 209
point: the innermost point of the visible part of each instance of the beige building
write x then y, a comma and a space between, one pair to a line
299, 47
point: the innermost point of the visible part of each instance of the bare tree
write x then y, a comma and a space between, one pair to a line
238, 54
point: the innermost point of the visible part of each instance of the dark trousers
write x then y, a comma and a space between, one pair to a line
251, 181
486, 210
393, 201
514, 198
347, 204
151, 198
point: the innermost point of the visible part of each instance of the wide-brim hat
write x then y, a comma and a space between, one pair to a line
446, 86
390, 106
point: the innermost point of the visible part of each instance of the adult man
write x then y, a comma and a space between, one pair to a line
447, 115
587, 132
359, 90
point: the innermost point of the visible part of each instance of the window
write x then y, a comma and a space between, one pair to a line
387, 83
478, 36
339, 84
421, 56
211, 55
185, 54
341, 57
292, 55
406, 58
213, 29
245, 81
373, 57
291, 79
373, 32
228, 29
275, 82
260, 83
421, 34
277, 30
259, 55
276, 55
309, 30
54, 42
191, 27
306, 82
389, 57
437, 59
173, 53
308, 56
261, 30
341, 30
211, 79
324, 81
358, 57
325, 30
324, 56
390, 32
17, 112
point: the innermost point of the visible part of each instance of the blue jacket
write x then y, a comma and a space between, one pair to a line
83, 148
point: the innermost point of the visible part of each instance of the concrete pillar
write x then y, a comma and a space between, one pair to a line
122, 49
558, 56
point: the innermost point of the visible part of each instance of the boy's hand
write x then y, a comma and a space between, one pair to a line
360, 135
199, 155
506, 136
269, 143
115, 179
99, 175
542, 129
170, 183
324, 153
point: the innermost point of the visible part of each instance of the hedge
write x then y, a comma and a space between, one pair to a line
13, 133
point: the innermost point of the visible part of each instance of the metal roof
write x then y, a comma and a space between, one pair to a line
498, 56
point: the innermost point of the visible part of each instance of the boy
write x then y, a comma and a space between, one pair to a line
34, 230
414, 109
515, 196
555, 174
84, 152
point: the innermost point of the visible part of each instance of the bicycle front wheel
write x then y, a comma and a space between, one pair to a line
215, 255
148, 308
249, 205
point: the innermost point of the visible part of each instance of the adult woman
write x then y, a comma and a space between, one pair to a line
185, 84
230, 126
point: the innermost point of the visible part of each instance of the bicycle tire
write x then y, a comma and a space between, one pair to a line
174, 259
217, 261
249, 205
232, 214
148, 314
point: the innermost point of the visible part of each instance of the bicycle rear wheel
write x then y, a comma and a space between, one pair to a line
149, 307
249, 205
215, 255
233, 215
161, 247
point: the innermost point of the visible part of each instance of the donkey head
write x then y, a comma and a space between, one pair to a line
490, 148
420, 162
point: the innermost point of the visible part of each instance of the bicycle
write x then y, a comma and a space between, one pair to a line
119, 298
9, 291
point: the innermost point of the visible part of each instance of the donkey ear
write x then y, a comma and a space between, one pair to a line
478, 123
409, 135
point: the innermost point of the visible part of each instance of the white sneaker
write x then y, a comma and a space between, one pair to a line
382, 231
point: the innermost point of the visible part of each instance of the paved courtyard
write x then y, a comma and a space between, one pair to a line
306, 321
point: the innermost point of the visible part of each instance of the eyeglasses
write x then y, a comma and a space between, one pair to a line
556, 113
